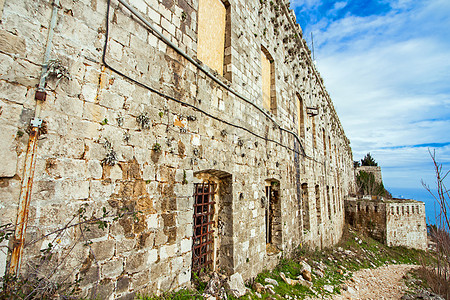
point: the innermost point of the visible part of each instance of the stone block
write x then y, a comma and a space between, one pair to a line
25, 73
180, 175
92, 232
129, 296
152, 221
74, 189
7, 148
3, 256
6, 65
124, 245
111, 100
103, 290
67, 168
12, 92
9, 194
103, 249
95, 169
176, 264
139, 5
136, 262
140, 279
184, 218
100, 189
115, 173
122, 87
112, 268
123, 284
94, 112
12, 44
186, 245
2, 3
149, 172
89, 272
184, 278
69, 105
167, 251
152, 257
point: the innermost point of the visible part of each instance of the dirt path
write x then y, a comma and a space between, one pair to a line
382, 283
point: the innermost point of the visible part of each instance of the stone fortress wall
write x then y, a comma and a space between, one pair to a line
406, 224
395, 222
375, 170
151, 122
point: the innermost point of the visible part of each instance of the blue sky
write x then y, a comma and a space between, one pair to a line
386, 65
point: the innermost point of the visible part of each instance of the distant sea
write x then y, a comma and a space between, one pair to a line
420, 194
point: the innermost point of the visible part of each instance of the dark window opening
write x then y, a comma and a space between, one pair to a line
203, 239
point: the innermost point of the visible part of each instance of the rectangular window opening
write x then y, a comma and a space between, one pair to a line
268, 81
214, 36
305, 206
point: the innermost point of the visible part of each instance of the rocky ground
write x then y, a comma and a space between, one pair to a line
357, 268
386, 282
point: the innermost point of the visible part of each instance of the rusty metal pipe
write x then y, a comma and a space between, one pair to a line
28, 172
24, 203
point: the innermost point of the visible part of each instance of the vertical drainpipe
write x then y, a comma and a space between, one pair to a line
28, 172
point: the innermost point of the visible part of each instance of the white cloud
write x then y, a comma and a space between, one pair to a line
388, 76
338, 6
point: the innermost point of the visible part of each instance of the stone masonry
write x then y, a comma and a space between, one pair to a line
138, 127
395, 222
406, 224
375, 170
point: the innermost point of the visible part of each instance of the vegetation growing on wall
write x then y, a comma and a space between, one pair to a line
44, 277
329, 270
367, 185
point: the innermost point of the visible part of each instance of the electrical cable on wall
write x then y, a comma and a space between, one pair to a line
153, 90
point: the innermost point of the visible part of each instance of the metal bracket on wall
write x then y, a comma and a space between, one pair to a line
36, 122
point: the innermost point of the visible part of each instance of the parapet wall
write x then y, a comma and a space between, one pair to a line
406, 224
395, 222
368, 216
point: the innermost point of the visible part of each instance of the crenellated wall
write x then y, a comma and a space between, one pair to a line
130, 127
406, 224
395, 222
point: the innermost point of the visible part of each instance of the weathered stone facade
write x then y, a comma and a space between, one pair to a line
406, 224
375, 170
395, 222
137, 126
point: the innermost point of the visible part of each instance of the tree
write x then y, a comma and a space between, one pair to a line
367, 185
368, 161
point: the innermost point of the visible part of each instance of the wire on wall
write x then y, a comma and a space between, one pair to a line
153, 90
